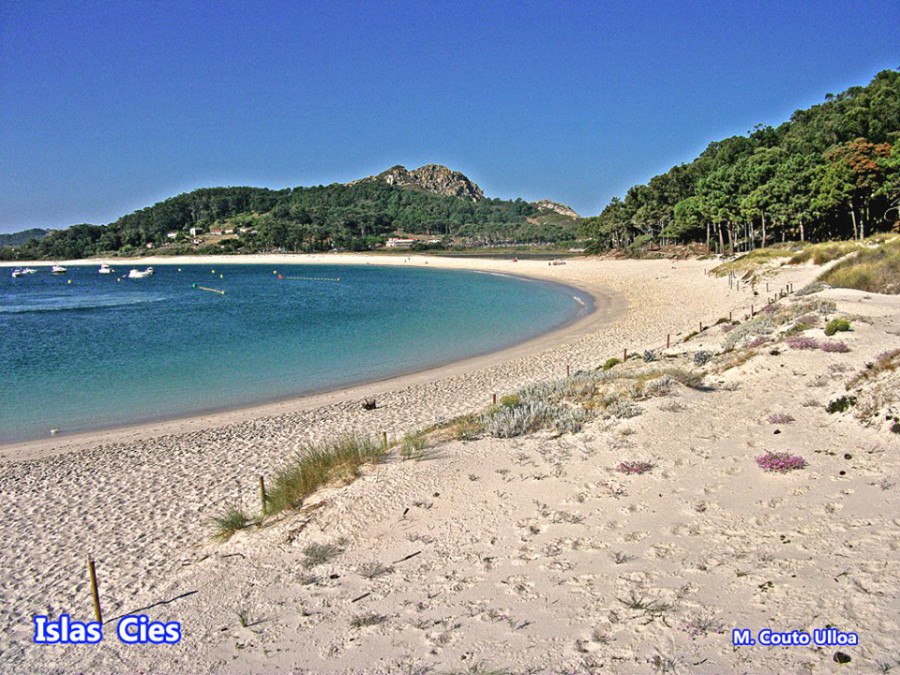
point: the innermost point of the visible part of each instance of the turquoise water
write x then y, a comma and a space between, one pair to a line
99, 352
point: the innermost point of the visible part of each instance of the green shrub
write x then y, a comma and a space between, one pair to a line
511, 401
836, 325
841, 404
611, 362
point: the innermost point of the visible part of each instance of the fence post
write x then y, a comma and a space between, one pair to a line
95, 591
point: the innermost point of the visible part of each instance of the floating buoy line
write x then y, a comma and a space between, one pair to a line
207, 288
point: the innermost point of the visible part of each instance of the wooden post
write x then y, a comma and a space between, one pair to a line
567, 370
767, 287
729, 317
495, 399
384, 440
751, 310
95, 592
668, 340
701, 326
262, 494
624, 356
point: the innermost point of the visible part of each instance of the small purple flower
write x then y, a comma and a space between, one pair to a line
634, 467
834, 346
800, 342
758, 342
780, 418
780, 462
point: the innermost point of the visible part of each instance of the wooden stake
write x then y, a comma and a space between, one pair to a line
751, 310
495, 399
567, 370
701, 326
625, 356
668, 340
262, 493
384, 440
95, 592
729, 317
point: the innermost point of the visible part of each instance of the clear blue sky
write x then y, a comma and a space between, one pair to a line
107, 106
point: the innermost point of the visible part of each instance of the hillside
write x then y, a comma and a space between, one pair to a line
831, 172
19, 238
432, 201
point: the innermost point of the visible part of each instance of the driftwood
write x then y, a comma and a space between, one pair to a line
369, 404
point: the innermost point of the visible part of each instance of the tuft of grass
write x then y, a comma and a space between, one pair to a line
319, 554
317, 466
780, 462
823, 253
374, 569
751, 261
413, 445
780, 418
836, 325
230, 520
370, 619
875, 270
467, 428
611, 362
634, 467
510, 401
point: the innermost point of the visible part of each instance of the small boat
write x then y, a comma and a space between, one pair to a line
58, 269
105, 269
16, 273
137, 274
29, 270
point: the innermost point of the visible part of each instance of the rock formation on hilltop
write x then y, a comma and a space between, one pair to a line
561, 209
432, 178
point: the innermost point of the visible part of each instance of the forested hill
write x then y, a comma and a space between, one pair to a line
356, 216
19, 238
831, 172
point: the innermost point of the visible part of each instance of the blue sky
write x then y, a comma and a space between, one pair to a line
107, 107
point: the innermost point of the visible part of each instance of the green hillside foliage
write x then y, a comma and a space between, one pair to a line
346, 217
831, 172
19, 238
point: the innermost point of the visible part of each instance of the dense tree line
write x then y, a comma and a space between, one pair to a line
831, 172
355, 217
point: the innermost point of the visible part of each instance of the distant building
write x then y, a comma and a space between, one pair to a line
196, 230
172, 235
399, 243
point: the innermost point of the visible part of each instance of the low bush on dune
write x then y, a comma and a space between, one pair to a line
823, 253
780, 462
836, 326
834, 346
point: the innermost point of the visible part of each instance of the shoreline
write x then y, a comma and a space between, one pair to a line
604, 307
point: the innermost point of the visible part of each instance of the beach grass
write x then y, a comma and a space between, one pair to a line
874, 270
231, 519
752, 261
316, 466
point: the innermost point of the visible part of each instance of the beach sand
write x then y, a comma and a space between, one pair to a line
529, 554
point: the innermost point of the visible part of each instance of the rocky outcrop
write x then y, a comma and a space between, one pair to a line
556, 207
432, 178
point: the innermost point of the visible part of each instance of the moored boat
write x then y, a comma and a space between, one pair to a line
105, 269
138, 274
58, 269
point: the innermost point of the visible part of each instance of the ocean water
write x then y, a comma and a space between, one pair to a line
85, 351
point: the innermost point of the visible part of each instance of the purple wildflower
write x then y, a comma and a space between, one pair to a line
799, 342
834, 346
634, 467
780, 462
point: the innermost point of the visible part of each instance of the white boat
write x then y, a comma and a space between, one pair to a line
58, 269
22, 271
137, 274
105, 269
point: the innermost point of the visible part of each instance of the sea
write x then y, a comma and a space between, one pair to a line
82, 351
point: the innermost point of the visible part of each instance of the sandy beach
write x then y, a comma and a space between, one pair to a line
526, 554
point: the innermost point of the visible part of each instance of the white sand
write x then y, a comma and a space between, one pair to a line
528, 551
